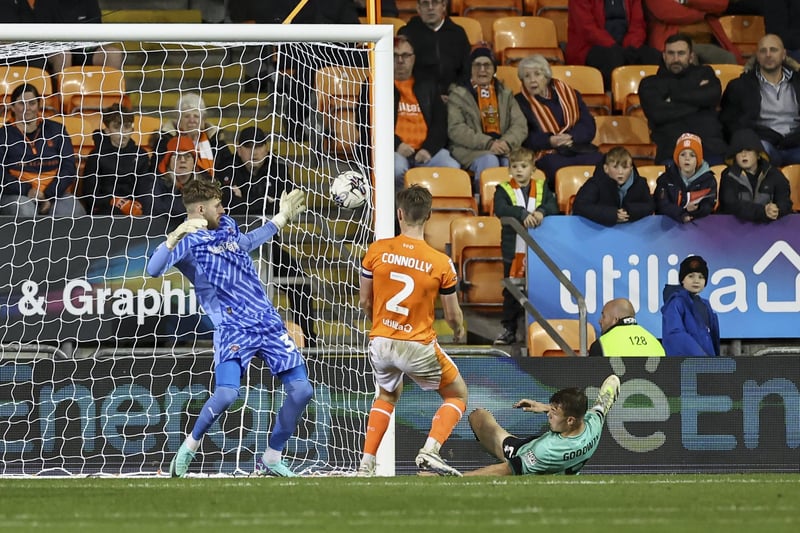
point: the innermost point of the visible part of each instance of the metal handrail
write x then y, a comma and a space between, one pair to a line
509, 284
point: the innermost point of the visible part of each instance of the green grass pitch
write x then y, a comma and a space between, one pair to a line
753, 503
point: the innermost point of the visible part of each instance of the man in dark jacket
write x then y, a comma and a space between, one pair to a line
751, 188
420, 118
615, 193
445, 43
682, 98
766, 98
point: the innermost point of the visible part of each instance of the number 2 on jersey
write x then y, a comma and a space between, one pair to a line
393, 303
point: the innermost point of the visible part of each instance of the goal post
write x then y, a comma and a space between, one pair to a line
103, 369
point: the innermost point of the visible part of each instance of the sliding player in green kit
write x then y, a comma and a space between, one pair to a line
573, 437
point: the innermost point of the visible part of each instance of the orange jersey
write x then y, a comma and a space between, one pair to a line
407, 275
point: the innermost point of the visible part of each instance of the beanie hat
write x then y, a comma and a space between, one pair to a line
693, 263
482, 50
746, 139
693, 143
177, 144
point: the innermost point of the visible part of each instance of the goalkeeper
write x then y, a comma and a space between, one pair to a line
573, 437
213, 254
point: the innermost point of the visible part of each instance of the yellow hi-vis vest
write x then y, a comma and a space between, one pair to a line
629, 339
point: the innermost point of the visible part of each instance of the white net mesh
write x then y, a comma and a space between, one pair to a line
104, 369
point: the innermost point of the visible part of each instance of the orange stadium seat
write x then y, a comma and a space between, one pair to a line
296, 333
540, 344
589, 82
452, 198
472, 27
91, 89
338, 92
518, 37
625, 86
394, 21
558, 12
726, 73
486, 11
406, 9
476, 253
717, 170
651, 174
568, 181
13, 76
744, 31
792, 173
631, 132
145, 131
489, 179
509, 76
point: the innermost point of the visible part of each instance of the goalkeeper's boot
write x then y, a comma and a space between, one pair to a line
431, 461
180, 463
609, 391
276, 470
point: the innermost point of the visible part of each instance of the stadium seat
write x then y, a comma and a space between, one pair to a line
509, 76
91, 89
394, 21
744, 31
717, 170
81, 129
568, 181
406, 9
518, 37
558, 12
792, 173
452, 198
476, 253
338, 92
625, 86
488, 181
145, 131
540, 344
631, 132
484, 12
726, 73
589, 82
13, 76
651, 174
296, 333
472, 27
152, 16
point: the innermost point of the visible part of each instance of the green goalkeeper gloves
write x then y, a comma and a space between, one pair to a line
190, 226
291, 205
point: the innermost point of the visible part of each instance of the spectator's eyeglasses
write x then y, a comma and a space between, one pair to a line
403, 57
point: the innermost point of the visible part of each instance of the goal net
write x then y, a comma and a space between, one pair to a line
103, 369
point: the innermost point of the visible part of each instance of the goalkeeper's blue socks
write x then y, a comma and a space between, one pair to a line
219, 402
298, 394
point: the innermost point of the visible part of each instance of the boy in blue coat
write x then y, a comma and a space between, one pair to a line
689, 326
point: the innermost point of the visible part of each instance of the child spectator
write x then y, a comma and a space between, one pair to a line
688, 188
616, 193
689, 327
750, 187
117, 177
529, 201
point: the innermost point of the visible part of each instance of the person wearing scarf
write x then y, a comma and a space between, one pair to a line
181, 166
484, 122
560, 126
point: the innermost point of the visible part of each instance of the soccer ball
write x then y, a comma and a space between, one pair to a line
349, 189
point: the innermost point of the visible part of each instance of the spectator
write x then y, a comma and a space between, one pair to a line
59, 12
683, 97
211, 150
687, 189
252, 186
666, 18
782, 18
180, 166
766, 98
484, 122
37, 162
560, 126
446, 58
529, 201
750, 187
420, 118
615, 193
607, 35
621, 335
118, 179
689, 327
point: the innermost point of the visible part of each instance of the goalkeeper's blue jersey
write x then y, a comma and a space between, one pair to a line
553, 454
218, 264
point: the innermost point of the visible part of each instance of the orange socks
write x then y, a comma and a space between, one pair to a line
379, 417
446, 418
